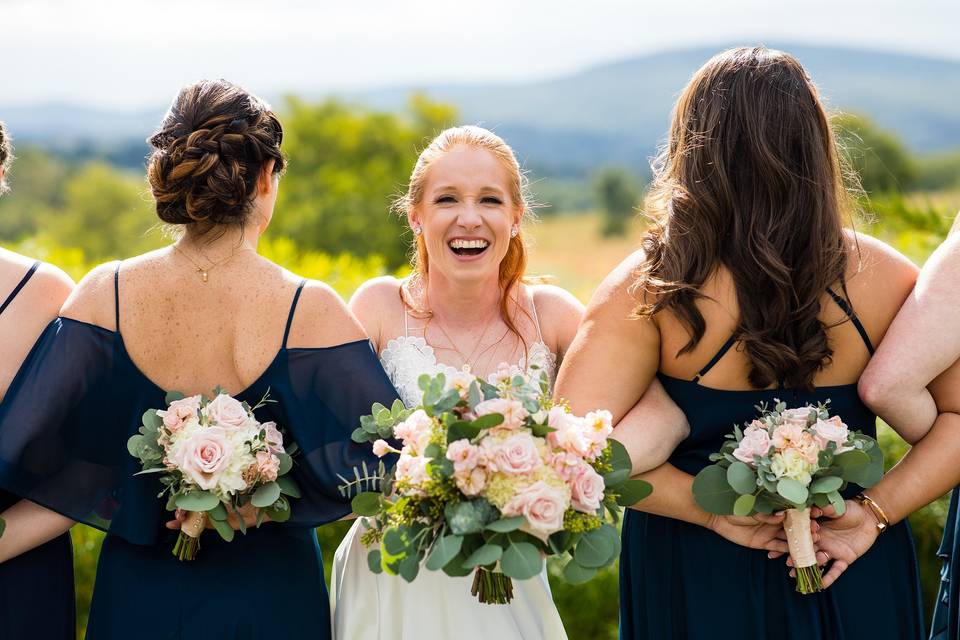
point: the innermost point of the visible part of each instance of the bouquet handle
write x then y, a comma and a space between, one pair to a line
800, 542
188, 542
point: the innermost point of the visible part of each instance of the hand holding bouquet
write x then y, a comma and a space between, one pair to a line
490, 479
789, 459
214, 456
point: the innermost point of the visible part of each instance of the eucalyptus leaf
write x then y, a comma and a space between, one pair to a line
373, 561
197, 501
265, 495
444, 550
409, 568
826, 484
744, 505
485, 555
793, 491
712, 491
474, 397
218, 513
366, 503
288, 486
455, 568
505, 525
224, 529
742, 478
488, 421
521, 561
460, 430
173, 396
286, 463
632, 491
573, 573
836, 500
598, 547
151, 420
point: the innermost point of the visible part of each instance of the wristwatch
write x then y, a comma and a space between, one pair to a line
882, 521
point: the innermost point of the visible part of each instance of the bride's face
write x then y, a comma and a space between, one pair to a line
466, 214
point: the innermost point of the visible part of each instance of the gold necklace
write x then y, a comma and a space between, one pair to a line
453, 345
204, 272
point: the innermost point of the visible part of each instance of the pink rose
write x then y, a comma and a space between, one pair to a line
273, 438
514, 455
268, 466
787, 433
832, 430
586, 489
202, 455
381, 448
755, 442
542, 505
471, 482
415, 431
179, 413
512, 411
465, 456
565, 464
570, 434
796, 417
226, 412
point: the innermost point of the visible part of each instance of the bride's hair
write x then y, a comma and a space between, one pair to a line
751, 181
209, 152
513, 267
6, 156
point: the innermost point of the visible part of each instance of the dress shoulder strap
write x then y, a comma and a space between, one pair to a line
848, 309
732, 340
293, 309
116, 295
20, 285
536, 320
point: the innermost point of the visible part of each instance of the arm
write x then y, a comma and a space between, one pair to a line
918, 346
28, 526
588, 379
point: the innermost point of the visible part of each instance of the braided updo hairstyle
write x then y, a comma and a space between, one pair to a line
209, 153
6, 156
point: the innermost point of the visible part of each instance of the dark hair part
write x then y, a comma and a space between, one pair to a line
6, 156
751, 181
209, 154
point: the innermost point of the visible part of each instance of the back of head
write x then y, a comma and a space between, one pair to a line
750, 181
6, 157
209, 153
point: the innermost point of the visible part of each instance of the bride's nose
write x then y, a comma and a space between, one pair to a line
469, 216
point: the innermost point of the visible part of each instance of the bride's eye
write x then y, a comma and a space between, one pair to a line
491, 200
445, 200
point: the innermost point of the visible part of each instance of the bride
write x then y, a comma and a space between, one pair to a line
466, 306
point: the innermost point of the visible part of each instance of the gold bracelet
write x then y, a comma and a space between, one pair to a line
883, 522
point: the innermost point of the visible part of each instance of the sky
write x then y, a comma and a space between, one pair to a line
130, 54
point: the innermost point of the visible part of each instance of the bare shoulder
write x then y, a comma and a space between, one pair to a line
559, 313
879, 279
617, 292
48, 289
93, 300
322, 319
376, 296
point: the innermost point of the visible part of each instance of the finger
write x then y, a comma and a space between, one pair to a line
777, 545
822, 558
836, 569
829, 512
816, 512
773, 555
173, 524
793, 573
774, 519
789, 561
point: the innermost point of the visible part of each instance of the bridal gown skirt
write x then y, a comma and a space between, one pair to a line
368, 606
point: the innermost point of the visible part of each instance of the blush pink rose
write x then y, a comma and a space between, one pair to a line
586, 489
787, 433
797, 416
415, 431
755, 442
273, 438
565, 464
512, 411
179, 413
832, 430
542, 505
471, 482
202, 455
514, 455
268, 466
465, 456
570, 434
226, 412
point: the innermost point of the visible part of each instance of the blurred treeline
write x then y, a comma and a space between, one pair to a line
332, 222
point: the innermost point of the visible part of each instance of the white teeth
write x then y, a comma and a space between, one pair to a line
468, 244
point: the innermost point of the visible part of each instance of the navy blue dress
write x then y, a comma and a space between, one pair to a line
36, 587
680, 580
63, 435
946, 617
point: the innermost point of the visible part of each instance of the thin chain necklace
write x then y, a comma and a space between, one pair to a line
453, 345
204, 272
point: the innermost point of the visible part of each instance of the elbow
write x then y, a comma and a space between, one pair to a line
879, 391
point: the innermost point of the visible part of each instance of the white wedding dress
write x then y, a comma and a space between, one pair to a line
368, 606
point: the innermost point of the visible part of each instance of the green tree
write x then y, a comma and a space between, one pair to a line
882, 162
617, 195
346, 164
36, 181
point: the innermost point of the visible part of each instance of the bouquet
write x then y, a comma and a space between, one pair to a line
490, 479
215, 457
789, 459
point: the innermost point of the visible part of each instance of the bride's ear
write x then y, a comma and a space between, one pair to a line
414, 222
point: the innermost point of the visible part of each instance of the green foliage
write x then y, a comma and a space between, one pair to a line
882, 162
346, 166
617, 195
938, 171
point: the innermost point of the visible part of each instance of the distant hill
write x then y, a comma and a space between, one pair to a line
609, 114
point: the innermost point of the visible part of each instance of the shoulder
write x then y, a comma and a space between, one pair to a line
94, 298
376, 295
879, 279
617, 290
559, 313
49, 288
322, 319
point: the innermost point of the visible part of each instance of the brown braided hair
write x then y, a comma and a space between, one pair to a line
750, 181
6, 156
209, 153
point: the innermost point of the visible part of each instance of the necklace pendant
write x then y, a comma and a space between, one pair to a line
203, 273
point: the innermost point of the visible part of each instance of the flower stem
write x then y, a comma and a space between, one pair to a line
492, 587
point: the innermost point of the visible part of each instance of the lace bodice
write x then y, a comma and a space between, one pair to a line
406, 358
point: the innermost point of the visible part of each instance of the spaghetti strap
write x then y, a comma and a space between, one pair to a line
536, 320
293, 308
406, 327
847, 309
116, 295
732, 340
20, 286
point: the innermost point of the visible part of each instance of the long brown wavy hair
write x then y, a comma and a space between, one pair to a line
750, 181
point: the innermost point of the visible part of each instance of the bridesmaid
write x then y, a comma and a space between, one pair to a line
747, 289
912, 382
36, 586
468, 304
204, 312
